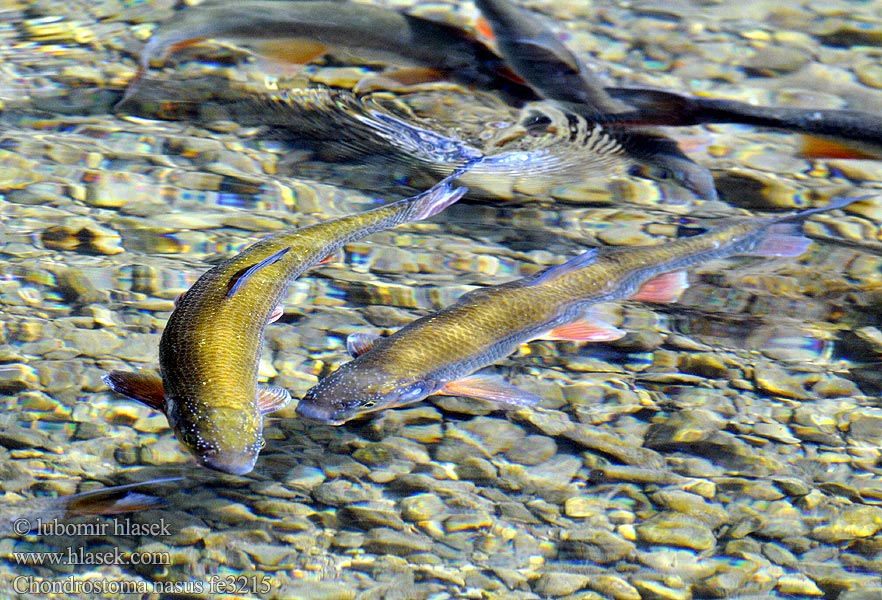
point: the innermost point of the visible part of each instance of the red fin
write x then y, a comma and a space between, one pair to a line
667, 287
292, 51
816, 147
144, 387
585, 330
360, 342
490, 388
271, 399
276, 314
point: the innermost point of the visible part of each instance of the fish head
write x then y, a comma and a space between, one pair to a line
222, 438
351, 391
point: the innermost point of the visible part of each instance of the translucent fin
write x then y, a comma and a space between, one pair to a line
663, 289
573, 264
360, 342
436, 199
587, 329
242, 279
782, 239
271, 398
490, 388
276, 314
145, 387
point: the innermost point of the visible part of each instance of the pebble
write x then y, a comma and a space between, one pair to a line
383, 540
554, 584
676, 529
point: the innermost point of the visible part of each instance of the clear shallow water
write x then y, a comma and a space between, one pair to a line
728, 445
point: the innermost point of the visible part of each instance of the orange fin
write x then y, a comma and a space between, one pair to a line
179, 46
144, 387
276, 314
271, 399
360, 342
817, 147
293, 51
490, 388
585, 330
328, 259
666, 288
484, 29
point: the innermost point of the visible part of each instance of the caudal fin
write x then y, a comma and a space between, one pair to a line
435, 199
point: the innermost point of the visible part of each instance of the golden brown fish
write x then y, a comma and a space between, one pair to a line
209, 351
438, 353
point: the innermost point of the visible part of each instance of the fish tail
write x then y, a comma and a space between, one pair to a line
783, 235
435, 199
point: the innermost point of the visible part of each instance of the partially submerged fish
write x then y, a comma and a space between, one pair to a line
437, 354
22, 517
307, 29
554, 72
209, 352
859, 131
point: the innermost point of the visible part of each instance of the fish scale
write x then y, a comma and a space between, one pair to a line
209, 352
484, 325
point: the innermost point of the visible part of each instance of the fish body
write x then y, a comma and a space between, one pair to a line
304, 30
860, 130
22, 517
210, 348
439, 352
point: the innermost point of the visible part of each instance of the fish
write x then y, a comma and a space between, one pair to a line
441, 352
859, 131
535, 55
209, 351
21, 517
302, 31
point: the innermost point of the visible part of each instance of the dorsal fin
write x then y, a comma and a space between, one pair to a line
242, 277
573, 264
360, 342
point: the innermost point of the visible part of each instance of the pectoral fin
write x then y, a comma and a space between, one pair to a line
144, 387
243, 276
782, 239
360, 342
271, 398
663, 289
490, 388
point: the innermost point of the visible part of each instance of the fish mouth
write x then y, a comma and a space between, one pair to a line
317, 413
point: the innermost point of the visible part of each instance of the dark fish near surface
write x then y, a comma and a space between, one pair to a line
21, 517
304, 30
862, 131
438, 353
567, 147
210, 349
540, 59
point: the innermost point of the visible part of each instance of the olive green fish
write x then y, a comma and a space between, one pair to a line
437, 354
209, 352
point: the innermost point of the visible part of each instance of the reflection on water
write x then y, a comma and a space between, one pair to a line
727, 446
